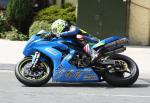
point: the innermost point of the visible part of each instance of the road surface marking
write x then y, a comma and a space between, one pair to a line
121, 95
6, 71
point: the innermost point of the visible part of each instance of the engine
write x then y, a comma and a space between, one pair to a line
80, 60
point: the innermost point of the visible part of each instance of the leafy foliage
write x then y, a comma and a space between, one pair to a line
4, 25
52, 13
19, 14
9, 32
13, 34
39, 25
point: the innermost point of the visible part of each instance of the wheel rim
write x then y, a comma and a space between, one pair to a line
40, 73
123, 70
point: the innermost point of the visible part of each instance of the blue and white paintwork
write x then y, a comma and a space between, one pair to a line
63, 71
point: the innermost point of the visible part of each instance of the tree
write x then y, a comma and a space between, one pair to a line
19, 14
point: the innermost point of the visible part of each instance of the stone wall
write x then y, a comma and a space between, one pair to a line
139, 22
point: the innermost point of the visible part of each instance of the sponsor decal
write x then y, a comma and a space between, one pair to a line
51, 51
77, 74
90, 77
68, 74
59, 71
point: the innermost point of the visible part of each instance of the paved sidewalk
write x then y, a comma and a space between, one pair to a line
11, 53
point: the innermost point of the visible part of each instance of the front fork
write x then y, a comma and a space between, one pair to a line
35, 58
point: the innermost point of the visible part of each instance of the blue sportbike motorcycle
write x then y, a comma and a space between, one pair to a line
62, 60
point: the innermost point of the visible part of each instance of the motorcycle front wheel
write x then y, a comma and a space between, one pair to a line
123, 74
36, 77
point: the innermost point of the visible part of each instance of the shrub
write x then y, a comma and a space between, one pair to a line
2, 35
14, 34
39, 25
19, 14
9, 32
4, 25
52, 13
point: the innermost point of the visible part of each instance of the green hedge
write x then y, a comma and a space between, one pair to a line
52, 13
19, 14
4, 25
39, 25
13, 34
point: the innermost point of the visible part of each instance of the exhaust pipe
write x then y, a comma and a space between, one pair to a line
119, 50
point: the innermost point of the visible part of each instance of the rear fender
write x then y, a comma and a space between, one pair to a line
106, 41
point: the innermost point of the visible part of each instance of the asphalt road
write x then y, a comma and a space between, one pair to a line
12, 91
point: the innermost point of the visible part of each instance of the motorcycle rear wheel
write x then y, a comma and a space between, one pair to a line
34, 79
117, 78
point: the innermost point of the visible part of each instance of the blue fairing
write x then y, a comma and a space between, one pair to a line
45, 47
68, 72
63, 71
106, 41
111, 39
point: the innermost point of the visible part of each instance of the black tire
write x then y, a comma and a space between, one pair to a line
114, 80
32, 82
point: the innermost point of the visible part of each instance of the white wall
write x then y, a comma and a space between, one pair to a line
139, 22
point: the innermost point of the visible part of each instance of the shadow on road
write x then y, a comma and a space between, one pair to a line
76, 85
97, 85
139, 86
145, 80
